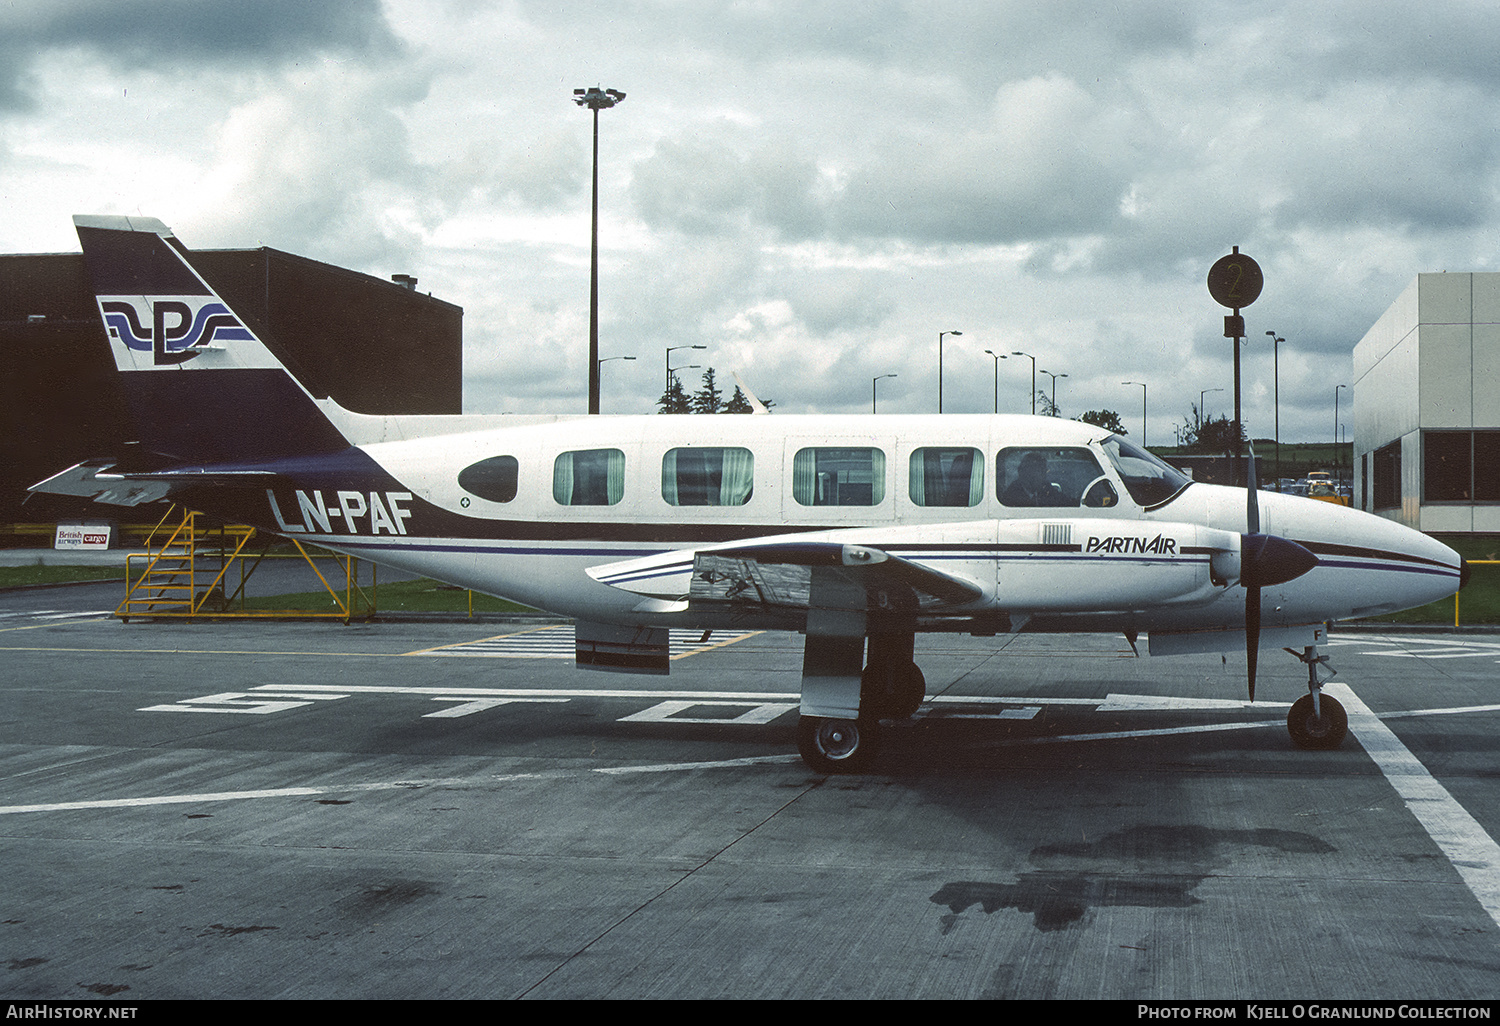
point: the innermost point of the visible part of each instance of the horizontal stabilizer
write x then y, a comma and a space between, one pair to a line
100, 481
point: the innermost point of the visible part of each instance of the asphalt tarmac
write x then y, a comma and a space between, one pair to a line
451, 810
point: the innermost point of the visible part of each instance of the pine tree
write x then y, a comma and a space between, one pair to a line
708, 398
674, 399
738, 403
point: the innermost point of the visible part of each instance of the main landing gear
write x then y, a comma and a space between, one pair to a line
1316, 721
891, 687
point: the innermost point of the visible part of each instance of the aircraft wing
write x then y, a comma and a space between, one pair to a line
777, 571
101, 481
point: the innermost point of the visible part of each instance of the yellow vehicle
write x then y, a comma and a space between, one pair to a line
1320, 486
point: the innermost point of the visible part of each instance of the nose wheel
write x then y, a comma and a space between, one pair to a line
1317, 732
1316, 722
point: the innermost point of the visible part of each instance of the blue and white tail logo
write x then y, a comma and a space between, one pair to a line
173, 329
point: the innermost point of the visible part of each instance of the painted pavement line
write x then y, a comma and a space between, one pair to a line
394, 785
1462, 840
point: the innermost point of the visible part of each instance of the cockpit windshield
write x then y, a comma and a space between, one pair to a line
1149, 481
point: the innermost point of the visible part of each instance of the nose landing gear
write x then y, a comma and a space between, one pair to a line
1316, 722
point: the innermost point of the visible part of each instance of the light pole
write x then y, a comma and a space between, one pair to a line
595, 99
998, 357
1276, 396
1033, 378
940, 365
1054, 378
602, 362
1200, 406
1143, 408
872, 389
670, 351
1338, 463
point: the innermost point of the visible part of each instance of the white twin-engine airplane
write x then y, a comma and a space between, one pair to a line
858, 531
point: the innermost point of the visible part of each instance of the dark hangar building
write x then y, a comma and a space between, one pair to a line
374, 346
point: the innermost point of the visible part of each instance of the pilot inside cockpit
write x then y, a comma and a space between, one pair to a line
1032, 485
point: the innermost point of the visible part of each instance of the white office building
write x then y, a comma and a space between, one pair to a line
1427, 406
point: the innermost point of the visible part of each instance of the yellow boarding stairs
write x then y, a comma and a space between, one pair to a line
183, 573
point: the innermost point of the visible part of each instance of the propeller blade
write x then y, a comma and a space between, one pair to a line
1252, 636
1252, 500
1251, 549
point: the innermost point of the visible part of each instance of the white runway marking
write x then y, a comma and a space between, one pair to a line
45, 617
559, 643
1418, 648
392, 785
1465, 843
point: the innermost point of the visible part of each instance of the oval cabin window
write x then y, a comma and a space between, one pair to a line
493, 479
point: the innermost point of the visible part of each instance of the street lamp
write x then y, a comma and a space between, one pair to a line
998, 357
1033, 378
1143, 408
940, 365
872, 389
1276, 397
1338, 463
1200, 406
602, 362
670, 351
595, 99
1054, 378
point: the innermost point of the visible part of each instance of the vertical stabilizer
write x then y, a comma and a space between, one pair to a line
201, 386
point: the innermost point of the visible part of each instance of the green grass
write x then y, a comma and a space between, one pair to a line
15, 576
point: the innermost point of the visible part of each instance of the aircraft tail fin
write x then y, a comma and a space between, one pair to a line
201, 386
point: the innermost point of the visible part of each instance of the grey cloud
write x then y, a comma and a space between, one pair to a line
839, 300
185, 33
701, 186
543, 173
980, 44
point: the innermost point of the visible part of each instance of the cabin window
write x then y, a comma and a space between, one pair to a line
946, 477
707, 476
493, 479
1033, 477
589, 477
838, 477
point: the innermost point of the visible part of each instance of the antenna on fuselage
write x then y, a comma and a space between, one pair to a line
756, 406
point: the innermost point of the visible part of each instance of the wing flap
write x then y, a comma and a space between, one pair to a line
776, 572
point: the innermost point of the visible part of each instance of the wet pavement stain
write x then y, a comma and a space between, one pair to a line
233, 931
1155, 866
377, 899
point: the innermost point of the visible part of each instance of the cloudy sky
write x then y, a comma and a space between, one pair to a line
811, 190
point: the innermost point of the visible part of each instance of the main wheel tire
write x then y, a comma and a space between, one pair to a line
894, 692
1313, 732
910, 689
835, 746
